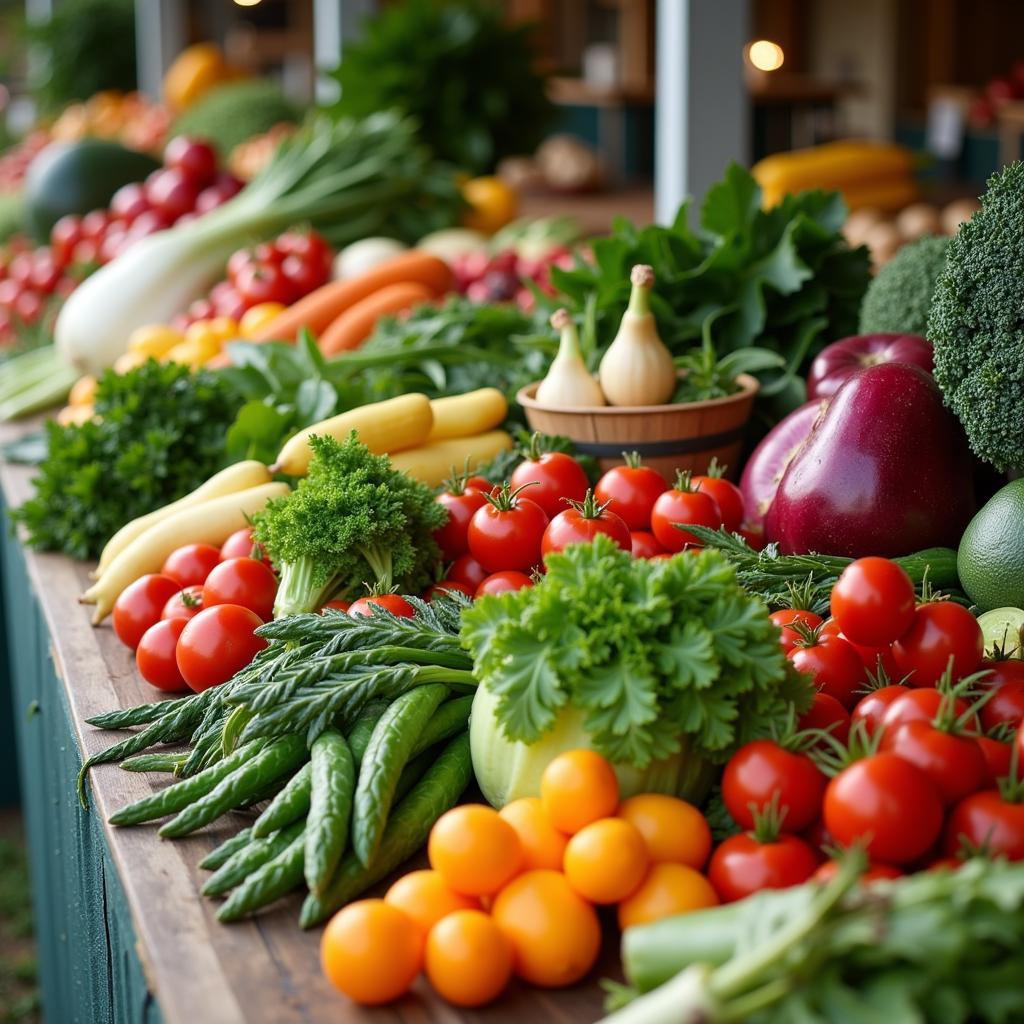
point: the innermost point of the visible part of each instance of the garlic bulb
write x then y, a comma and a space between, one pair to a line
638, 369
568, 384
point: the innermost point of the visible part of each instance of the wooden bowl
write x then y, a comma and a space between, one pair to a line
668, 437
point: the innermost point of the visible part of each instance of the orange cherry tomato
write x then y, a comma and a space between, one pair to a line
668, 889
555, 933
427, 898
674, 831
474, 850
606, 860
372, 952
468, 958
578, 787
543, 845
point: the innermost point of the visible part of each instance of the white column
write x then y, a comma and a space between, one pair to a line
701, 104
160, 35
335, 22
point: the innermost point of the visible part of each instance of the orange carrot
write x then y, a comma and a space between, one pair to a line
322, 307
357, 323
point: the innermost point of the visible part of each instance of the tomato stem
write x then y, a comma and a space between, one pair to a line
589, 507
504, 498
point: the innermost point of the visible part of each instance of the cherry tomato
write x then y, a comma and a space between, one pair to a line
239, 545
191, 564
887, 803
827, 714
393, 603
630, 491
480, 483
172, 192
502, 582
985, 821
581, 523
955, 764
185, 604
140, 604
244, 581
1006, 705
67, 233
338, 606
195, 158
94, 226
917, 706
264, 283
155, 655
506, 533
728, 497
644, 544
941, 630
834, 667
460, 504
216, 644
308, 246
474, 850
466, 569
742, 865
550, 479
578, 787
763, 771
447, 587
873, 602
873, 873
468, 958
682, 505
998, 758
784, 619
871, 708
303, 276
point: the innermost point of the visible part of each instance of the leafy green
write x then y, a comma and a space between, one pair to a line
352, 522
654, 653
783, 279
158, 432
900, 295
975, 323
459, 68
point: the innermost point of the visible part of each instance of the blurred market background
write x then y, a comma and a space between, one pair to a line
581, 109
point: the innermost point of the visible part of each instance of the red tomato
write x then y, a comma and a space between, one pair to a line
338, 606
955, 764
886, 802
868, 655
1006, 705
263, 283
241, 545
754, 536
827, 714
785, 617
308, 245
941, 630
191, 564
506, 533
216, 644
140, 604
185, 604
834, 667
393, 603
873, 601
171, 191
682, 505
447, 587
742, 866
467, 570
728, 497
985, 821
502, 582
196, 159
874, 872
644, 545
460, 506
245, 581
155, 656
763, 771
549, 480
630, 491
581, 523
818, 839
480, 483
917, 706
67, 233
303, 275
998, 758
871, 708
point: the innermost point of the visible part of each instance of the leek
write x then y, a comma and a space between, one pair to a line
37, 380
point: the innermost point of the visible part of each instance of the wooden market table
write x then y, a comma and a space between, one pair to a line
124, 935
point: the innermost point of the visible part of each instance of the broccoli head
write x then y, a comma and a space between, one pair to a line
976, 324
354, 522
900, 295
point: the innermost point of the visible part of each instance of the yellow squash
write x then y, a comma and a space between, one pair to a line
468, 414
435, 462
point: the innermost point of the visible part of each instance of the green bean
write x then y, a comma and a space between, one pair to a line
407, 830
181, 794
411, 774
330, 807
362, 729
221, 854
277, 758
266, 884
243, 863
451, 718
390, 745
289, 805
153, 763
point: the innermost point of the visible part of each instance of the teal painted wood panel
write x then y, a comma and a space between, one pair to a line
89, 969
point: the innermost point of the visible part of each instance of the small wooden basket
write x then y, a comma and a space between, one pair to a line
668, 437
